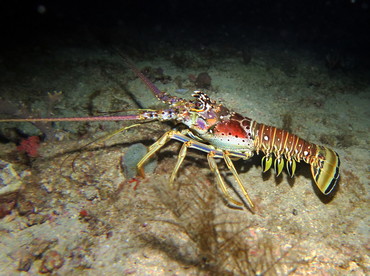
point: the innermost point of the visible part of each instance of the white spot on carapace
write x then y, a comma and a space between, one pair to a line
266, 138
305, 153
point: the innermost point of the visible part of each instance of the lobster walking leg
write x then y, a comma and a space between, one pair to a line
231, 167
152, 150
179, 136
212, 154
220, 181
180, 159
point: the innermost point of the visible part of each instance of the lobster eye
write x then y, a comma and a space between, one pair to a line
198, 106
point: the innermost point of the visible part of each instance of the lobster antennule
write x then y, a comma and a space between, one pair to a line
325, 170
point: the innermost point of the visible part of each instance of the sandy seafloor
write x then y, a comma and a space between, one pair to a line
89, 219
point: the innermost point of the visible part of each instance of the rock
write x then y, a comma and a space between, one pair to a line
10, 184
132, 156
52, 260
203, 80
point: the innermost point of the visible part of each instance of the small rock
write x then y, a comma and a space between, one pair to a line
6, 208
25, 207
247, 56
10, 182
35, 219
39, 246
25, 261
52, 260
132, 156
203, 80
90, 193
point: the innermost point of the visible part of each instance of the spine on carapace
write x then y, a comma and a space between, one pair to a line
324, 161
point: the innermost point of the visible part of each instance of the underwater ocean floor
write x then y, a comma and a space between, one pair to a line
73, 210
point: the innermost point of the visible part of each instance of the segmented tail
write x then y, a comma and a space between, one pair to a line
273, 141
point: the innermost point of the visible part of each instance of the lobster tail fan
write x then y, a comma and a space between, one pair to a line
325, 170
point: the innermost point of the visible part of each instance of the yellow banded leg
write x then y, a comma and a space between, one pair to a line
180, 159
231, 167
214, 169
153, 149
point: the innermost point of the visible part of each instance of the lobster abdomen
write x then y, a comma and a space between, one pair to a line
324, 162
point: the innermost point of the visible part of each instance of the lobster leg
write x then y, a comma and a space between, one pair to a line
231, 167
152, 150
180, 159
220, 181
212, 153
179, 136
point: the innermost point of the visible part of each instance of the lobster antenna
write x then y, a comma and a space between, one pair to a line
100, 139
75, 119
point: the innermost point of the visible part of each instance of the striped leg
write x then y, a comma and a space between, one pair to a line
180, 159
231, 167
220, 181
212, 153
152, 150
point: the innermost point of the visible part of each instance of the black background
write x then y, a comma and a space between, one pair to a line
341, 24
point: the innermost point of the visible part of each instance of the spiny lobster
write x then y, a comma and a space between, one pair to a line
222, 133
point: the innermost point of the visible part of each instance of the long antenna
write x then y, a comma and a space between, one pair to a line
76, 119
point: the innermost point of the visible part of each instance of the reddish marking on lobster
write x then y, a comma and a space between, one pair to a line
232, 128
